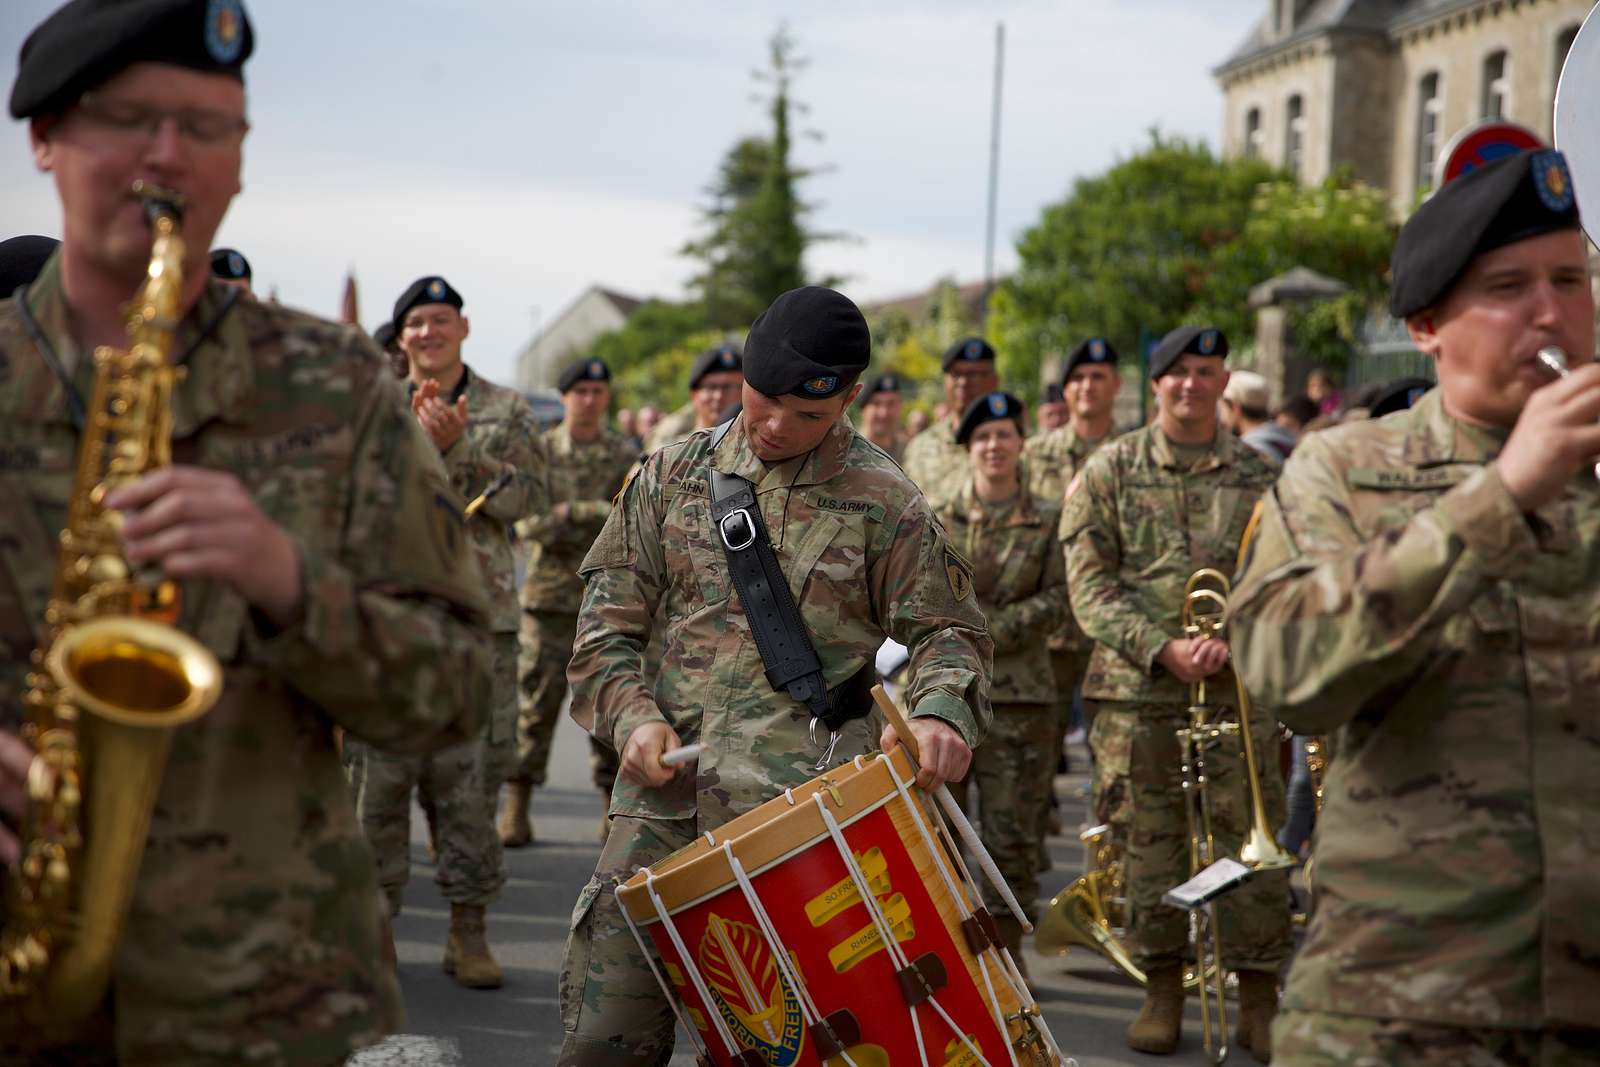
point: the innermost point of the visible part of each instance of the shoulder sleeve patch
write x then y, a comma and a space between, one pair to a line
958, 574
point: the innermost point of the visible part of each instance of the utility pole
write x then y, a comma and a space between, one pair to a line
994, 165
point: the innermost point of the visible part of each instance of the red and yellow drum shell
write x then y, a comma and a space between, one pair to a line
806, 890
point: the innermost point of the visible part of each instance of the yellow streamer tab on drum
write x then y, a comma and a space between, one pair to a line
958, 1053
843, 893
866, 941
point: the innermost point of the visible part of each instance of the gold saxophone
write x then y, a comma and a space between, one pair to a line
111, 682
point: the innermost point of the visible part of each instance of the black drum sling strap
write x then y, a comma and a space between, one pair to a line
791, 661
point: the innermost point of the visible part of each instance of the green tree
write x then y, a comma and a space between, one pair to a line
754, 237
1172, 235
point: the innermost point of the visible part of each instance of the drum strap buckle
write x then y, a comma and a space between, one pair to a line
826, 747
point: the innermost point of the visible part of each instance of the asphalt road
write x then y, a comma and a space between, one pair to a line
1086, 1003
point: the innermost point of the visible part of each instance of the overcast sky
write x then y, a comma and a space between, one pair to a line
528, 150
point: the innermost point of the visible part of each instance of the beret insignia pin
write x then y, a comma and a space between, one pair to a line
974, 350
596, 371
1551, 179
1208, 342
224, 30
997, 405
1097, 349
821, 386
236, 264
436, 289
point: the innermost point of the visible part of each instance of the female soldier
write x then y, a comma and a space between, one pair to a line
1019, 576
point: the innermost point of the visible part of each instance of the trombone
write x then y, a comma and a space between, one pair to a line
1204, 615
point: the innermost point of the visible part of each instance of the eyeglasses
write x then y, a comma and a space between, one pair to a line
136, 122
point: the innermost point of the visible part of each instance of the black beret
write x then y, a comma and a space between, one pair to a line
715, 360
1187, 340
21, 260
811, 342
1399, 395
86, 42
1509, 200
384, 334
1095, 350
990, 407
1053, 394
429, 290
887, 382
585, 370
967, 350
227, 263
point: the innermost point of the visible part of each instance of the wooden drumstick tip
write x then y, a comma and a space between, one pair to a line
680, 755
902, 728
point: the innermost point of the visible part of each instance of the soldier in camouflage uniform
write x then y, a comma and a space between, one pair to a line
932, 458
714, 380
316, 541
1425, 587
1052, 460
588, 463
865, 558
1148, 510
880, 414
1011, 538
490, 446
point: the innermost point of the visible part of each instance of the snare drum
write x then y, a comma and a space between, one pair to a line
836, 925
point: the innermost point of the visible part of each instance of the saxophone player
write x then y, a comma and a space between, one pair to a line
1424, 586
308, 522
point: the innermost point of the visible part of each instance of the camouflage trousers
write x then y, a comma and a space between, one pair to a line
1253, 918
1008, 770
545, 648
613, 1012
1322, 1039
500, 738
1067, 667
1111, 739
454, 787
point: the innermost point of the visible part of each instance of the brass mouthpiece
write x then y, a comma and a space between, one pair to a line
158, 201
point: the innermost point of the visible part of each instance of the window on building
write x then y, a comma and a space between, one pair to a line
1294, 141
1564, 41
1253, 134
1429, 106
1496, 86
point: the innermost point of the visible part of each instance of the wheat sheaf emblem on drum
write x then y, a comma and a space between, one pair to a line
749, 990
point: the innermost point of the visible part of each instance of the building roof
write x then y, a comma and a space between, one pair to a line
1318, 17
625, 305
915, 306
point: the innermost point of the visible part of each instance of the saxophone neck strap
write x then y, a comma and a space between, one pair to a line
787, 654
76, 407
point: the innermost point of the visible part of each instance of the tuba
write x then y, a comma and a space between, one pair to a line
111, 682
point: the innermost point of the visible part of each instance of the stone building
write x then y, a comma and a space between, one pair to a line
597, 310
1381, 86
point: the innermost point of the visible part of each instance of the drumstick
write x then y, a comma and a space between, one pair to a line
952, 810
681, 755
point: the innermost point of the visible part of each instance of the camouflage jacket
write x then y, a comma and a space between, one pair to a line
502, 438
936, 463
584, 477
895, 449
1049, 462
1395, 595
673, 427
865, 559
1136, 526
1019, 577
252, 934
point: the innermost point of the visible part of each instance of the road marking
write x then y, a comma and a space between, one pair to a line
409, 1050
